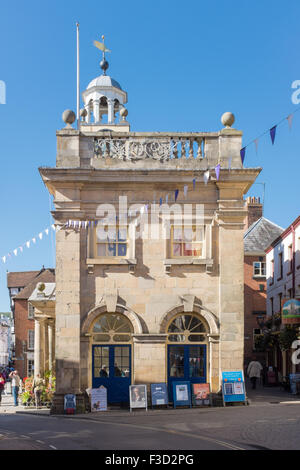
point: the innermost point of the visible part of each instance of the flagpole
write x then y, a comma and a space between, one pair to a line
78, 77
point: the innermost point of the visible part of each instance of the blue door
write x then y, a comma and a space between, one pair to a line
112, 368
186, 363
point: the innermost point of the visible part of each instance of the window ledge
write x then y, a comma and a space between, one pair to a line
259, 276
188, 261
112, 260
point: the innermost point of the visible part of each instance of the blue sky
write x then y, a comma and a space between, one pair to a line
182, 63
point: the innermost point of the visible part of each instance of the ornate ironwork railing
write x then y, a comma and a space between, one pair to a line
155, 148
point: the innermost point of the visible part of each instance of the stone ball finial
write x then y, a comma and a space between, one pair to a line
227, 119
123, 112
68, 117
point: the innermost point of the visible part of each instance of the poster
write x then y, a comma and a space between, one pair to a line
201, 394
233, 387
159, 394
138, 396
98, 399
70, 404
238, 388
181, 394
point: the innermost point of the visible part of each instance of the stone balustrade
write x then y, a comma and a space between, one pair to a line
100, 149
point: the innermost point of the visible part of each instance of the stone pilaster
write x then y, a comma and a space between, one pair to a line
67, 337
230, 217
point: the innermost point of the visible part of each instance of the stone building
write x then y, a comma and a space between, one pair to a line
161, 307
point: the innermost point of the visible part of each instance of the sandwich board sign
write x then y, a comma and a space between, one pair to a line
138, 396
182, 394
99, 399
70, 404
201, 395
159, 394
233, 387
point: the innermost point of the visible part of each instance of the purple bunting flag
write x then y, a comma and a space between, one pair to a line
272, 134
243, 152
217, 170
176, 194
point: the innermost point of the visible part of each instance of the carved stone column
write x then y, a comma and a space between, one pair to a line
51, 344
96, 110
37, 348
110, 111
46, 345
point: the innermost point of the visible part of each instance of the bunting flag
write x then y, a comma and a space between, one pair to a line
33, 240
185, 190
273, 133
243, 152
176, 194
160, 201
290, 120
194, 184
167, 198
217, 170
229, 163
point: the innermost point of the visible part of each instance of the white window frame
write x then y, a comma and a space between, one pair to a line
261, 268
30, 311
30, 343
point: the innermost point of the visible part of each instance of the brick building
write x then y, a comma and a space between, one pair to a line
283, 284
21, 285
260, 232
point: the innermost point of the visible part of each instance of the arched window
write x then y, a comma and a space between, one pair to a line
186, 328
112, 328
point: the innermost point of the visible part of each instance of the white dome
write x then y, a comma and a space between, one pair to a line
104, 81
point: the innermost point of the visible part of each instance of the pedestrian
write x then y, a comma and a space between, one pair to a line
37, 386
2, 383
254, 371
103, 371
15, 384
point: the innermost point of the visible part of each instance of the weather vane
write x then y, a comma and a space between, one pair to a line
101, 45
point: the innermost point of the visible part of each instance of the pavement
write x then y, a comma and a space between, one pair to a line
262, 396
272, 421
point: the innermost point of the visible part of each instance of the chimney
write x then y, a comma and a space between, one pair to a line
255, 211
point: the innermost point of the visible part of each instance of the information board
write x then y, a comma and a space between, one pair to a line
159, 394
138, 396
233, 387
182, 394
70, 404
99, 399
201, 394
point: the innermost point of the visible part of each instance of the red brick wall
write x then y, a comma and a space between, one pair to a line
22, 325
255, 300
255, 211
